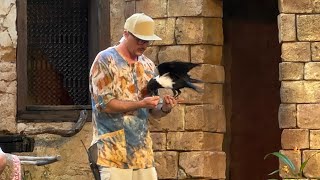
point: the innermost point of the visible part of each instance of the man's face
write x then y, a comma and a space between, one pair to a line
136, 46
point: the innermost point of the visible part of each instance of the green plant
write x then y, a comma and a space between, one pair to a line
289, 167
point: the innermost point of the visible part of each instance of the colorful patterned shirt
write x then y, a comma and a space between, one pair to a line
123, 139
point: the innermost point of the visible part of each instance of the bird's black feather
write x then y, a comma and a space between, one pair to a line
178, 73
177, 67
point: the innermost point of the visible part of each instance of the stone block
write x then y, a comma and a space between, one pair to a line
295, 6
194, 141
165, 30
117, 19
296, 51
208, 8
8, 124
171, 53
206, 117
7, 67
206, 54
5, 39
315, 51
154, 8
10, 22
130, 8
308, 116
314, 139
174, 121
295, 157
203, 164
208, 73
213, 8
159, 141
6, 6
152, 53
312, 71
8, 76
8, 54
308, 27
12, 88
3, 86
212, 94
287, 116
312, 169
295, 139
287, 27
291, 71
198, 30
316, 6
300, 92
8, 110
166, 163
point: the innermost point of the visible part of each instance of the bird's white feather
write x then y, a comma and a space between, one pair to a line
165, 81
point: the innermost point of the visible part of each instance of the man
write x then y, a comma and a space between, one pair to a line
3, 161
120, 105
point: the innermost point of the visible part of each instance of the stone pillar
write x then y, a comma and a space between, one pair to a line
8, 78
188, 142
299, 112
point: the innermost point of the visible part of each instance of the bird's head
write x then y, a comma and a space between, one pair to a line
153, 86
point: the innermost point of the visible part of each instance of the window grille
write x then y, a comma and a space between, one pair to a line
57, 52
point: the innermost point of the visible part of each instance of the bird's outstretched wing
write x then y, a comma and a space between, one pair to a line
178, 68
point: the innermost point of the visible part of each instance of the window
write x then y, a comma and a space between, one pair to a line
57, 42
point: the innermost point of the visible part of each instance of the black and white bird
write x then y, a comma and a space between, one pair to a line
173, 75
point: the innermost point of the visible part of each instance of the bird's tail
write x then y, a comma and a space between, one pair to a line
195, 80
194, 87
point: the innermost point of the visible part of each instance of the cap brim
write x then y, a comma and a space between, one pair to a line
148, 38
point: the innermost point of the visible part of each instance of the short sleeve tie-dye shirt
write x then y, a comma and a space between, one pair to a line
123, 139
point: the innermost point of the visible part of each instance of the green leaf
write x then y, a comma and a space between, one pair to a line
273, 172
284, 159
303, 165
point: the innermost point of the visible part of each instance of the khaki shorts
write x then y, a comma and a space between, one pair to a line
128, 174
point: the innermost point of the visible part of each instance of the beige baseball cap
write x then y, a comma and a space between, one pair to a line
141, 26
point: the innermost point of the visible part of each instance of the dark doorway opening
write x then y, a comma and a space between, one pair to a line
252, 56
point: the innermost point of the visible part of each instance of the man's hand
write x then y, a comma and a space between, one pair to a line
151, 102
168, 103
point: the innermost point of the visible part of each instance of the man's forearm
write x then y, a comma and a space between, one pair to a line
3, 162
119, 106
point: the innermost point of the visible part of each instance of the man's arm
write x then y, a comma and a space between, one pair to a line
165, 108
3, 162
119, 106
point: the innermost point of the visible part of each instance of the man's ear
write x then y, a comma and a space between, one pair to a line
125, 34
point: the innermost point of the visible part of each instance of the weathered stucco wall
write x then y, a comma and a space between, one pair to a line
299, 33
8, 83
188, 143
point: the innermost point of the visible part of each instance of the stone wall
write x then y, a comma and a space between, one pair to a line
299, 112
8, 83
188, 142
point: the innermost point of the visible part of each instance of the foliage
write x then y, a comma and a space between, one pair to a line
289, 167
